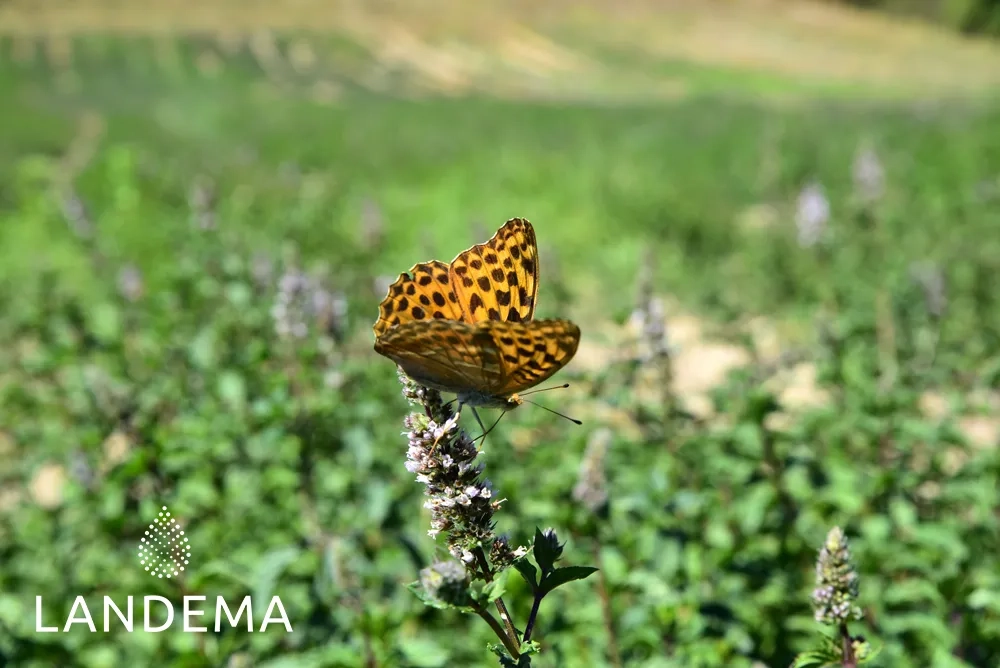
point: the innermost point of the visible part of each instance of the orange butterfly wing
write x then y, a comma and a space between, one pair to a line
424, 293
498, 280
497, 359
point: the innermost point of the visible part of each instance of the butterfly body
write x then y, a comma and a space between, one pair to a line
483, 400
467, 328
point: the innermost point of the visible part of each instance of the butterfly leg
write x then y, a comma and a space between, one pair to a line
481, 426
485, 430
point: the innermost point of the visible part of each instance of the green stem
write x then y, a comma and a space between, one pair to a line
497, 629
847, 644
531, 618
484, 567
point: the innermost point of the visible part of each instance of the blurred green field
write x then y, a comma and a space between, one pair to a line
166, 176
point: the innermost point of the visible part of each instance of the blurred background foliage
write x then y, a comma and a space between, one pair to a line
774, 221
968, 16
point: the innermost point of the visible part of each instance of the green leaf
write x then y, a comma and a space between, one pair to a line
868, 652
12, 611
417, 588
271, 566
506, 661
220, 567
816, 658
759, 404
528, 572
331, 655
530, 647
494, 590
202, 350
423, 652
984, 599
232, 389
106, 322
561, 576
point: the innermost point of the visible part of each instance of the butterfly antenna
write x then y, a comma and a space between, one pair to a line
573, 420
546, 389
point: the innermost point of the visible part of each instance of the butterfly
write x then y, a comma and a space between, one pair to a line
467, 329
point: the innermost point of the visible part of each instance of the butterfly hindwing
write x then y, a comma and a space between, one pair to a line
498, 280
532, 351
423, 293
446, 355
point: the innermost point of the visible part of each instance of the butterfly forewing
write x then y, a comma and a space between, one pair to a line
498, 280
424, 293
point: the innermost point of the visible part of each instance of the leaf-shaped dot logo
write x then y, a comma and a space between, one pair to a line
164, 550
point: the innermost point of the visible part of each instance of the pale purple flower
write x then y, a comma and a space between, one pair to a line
812, 215
130, 282
591, 489
869, 175
929, 277
77, 217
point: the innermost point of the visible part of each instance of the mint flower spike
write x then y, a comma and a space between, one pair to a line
443, 458
446, 583
834, 598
